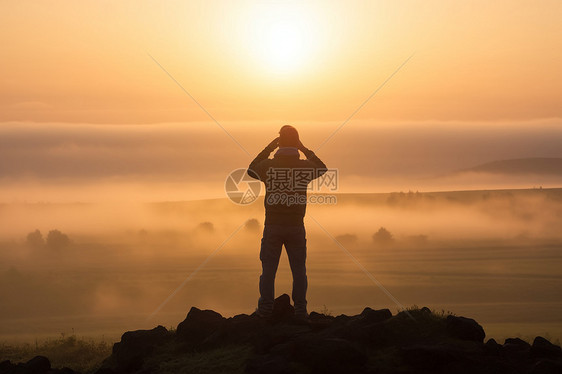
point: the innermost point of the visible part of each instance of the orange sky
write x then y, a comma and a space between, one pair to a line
484, 83
88, 61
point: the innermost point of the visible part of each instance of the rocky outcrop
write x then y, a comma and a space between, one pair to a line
37, 365
542, 348
375, 341
129, 354
465, 329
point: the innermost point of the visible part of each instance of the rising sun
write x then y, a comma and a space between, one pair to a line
282, 37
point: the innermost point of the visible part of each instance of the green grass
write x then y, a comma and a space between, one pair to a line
84, 355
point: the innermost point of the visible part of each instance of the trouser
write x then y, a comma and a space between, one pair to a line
294, 239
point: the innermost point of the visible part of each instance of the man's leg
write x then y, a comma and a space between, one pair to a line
271, 245
295, 244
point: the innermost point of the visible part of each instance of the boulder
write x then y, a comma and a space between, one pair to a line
517, 342
38, 364
465, 329
6, 367
239, 329
324, 355
515, 347
199, 325
268, 364
282, 309
492, 347
542, 348
428, 357
342, 320
319, 322
375, 316
135, 346
105, 370
64, 370
547, 367
276, 334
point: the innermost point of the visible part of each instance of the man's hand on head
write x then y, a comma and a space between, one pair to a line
301, 147
274, 144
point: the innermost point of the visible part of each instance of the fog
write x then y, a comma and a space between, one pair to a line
50, 162
100, 224
491, 255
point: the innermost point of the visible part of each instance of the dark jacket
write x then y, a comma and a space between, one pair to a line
291, 208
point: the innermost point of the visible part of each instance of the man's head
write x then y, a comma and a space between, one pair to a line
288, 137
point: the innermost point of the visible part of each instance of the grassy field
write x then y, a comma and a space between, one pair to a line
491, 255
84, 355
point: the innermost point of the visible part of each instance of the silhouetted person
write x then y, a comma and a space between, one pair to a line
286, 179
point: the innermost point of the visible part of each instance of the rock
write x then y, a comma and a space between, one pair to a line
517, 342
276, 334
516, 347
6, 367
365, 327
318, 321
64, 370
282, 309
313, 316
105, 371
268, 364
544, 349
428, 357
342, 319
135, 346
371, 342
465, 329
239, 329
425, 310
199, 324
244, 325
38, 364
324, 355
492, 347
547, 367
375, 316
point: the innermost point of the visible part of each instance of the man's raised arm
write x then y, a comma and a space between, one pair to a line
255, 170
319, 167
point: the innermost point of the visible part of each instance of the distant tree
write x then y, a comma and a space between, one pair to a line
383, 236
252, 225
35, 239
347, 239
403, 199
57, 240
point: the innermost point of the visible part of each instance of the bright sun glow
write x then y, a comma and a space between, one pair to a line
282, 38
283, 45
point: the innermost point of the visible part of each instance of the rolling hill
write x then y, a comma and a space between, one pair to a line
537, 166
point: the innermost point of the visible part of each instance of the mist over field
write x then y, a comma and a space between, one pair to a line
57, 162
493, 255
100, 224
